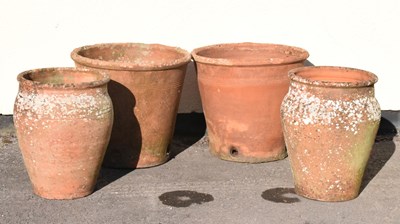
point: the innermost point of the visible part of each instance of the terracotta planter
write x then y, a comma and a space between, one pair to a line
330, 118
63, 118
145, 87
242, 86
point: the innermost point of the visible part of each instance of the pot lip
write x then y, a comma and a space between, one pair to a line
300, 54
103, 78
295, 76
129, 65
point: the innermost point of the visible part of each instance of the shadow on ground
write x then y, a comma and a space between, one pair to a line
109, 175
189, 128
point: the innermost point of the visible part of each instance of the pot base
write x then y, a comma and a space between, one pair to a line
331, 197
250, 159
236, 154
62, 196
146, 162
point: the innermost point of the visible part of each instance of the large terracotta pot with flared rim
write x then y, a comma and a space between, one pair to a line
330, 118
63, 119
146, 84
242, 86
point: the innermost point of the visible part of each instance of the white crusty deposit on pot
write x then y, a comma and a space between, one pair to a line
302, 107
62, 106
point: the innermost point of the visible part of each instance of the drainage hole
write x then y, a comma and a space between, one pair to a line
233, 151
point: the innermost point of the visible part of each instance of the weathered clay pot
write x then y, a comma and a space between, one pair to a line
145, 87
330, 118
63, 118
242, 86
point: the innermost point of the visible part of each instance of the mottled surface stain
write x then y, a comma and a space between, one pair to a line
280, 195
182, 199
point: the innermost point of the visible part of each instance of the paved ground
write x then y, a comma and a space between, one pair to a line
195, 187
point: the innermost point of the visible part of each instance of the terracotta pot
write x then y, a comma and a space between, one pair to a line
330, 118
63, 118
145, 87
241, 87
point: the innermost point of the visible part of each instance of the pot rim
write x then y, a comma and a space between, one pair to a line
103, 78
184, 57
369, 78
293, 54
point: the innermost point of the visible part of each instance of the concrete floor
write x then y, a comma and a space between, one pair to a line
195, 187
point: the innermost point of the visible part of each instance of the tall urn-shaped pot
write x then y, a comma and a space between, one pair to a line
330, 118
242, 87
146, 84
63, 119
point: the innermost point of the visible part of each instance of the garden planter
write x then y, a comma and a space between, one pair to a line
145, 87
241, 87
330, 118
63, 118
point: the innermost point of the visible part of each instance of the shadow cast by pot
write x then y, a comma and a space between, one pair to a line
126, 137
280, 195
109, 175
189, 129
380, 155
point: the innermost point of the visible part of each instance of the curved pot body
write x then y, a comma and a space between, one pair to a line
330, 118
63, 118
242, 86
145, 87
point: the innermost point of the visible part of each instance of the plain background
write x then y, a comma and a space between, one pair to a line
352, 33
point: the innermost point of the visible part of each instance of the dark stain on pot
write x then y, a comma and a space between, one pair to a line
181, 199
233, 151
279, 195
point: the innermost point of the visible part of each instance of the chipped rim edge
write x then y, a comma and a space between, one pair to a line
103, 78
301, 55
294, 76
113, 65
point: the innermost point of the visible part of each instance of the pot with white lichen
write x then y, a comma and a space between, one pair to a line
63, 119
330, 118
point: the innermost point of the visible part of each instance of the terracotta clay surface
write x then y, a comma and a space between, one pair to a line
330, 118
63, 119
242, 86
146, 84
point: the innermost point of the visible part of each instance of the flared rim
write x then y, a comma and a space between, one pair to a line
135, 59
45, 78
249, 54
333, 76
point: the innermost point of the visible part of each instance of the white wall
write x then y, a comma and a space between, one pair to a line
358, 33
